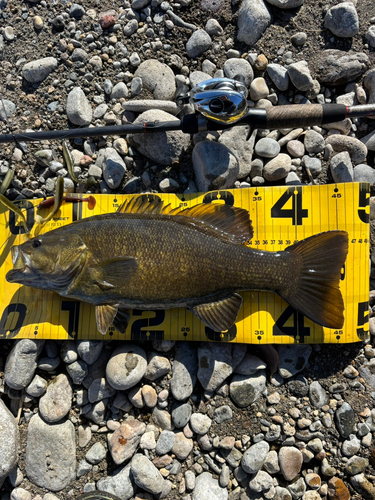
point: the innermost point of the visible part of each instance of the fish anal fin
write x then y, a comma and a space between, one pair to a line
105, 314
232, 223
121, 320
219, 315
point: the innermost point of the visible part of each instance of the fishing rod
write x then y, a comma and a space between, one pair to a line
219, 103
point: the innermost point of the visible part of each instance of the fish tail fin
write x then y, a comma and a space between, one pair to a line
316, 293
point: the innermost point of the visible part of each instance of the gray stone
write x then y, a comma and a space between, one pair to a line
163, 345
336, 67
314, 142
162, 419
250, 365
120, 483
235, 139
96, 453
161, 147
37, 71
16, 477
89, 350
100, 389
364, 173
57, 442
267, 147
113, 167
236, 66
286, 4
68, 351
213, 28
222, 413
253, 19
165, 442
245, 389
262, 481
21, 362
356, 149
367, 371
254, 457
298, 488
277, 168
300, 76
7, 108
130, 27
351, 446
157, 78
9, 442
342, 20
293, 359
208, 488
356, 465
200, 424
57, 401
77, 371
215, 166
181, 414
83, 468
157, 366
76, 11
37, 387
78, 108
48, 364
370, 36
313, 164
146, 475
363, 486
369, 141
345, 420
141, 105
197, 77
119, 90
182, 446
168, 185
318, 396
79, 55
126, 366
292, 179
199, 42
279, 76
184, 372
299, 38
216, 363
342, 167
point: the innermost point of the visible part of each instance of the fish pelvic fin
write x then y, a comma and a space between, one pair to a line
105, 314
219, 315
317, 294
232, 223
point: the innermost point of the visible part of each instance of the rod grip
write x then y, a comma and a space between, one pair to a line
304, 115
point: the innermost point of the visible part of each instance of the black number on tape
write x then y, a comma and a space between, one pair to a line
226, 196
221, 336
13, 218
363, 203
362, 319
296, 213
73, 317
146, 323
299, 331
21, 310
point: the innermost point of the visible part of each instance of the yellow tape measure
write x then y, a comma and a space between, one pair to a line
281, 216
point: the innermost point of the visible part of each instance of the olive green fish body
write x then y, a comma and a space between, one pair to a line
148, 256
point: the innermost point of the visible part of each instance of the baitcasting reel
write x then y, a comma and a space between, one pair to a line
221, 99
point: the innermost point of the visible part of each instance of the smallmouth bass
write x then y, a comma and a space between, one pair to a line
150, 256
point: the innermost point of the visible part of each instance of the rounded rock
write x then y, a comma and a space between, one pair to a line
277, 168
253, 458
267, 148
78, 108
290, 460
126, 367
199, 42
57, 401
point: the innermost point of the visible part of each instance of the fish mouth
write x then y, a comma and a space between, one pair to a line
21, 266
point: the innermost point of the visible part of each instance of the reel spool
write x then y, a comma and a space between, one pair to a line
221, 99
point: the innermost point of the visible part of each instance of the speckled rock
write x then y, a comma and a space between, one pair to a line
126, 366
124, 441
57, 401
290, 460
146, 475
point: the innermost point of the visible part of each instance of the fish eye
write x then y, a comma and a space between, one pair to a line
36, 243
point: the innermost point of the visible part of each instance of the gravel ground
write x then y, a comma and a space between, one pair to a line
184, 421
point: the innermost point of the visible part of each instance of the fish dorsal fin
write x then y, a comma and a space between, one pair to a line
105, 314
232, 222
219, 315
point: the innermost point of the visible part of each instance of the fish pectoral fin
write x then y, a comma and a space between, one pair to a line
219, 315
113, 272
105, 314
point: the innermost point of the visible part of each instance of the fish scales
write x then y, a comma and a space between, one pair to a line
150, 256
